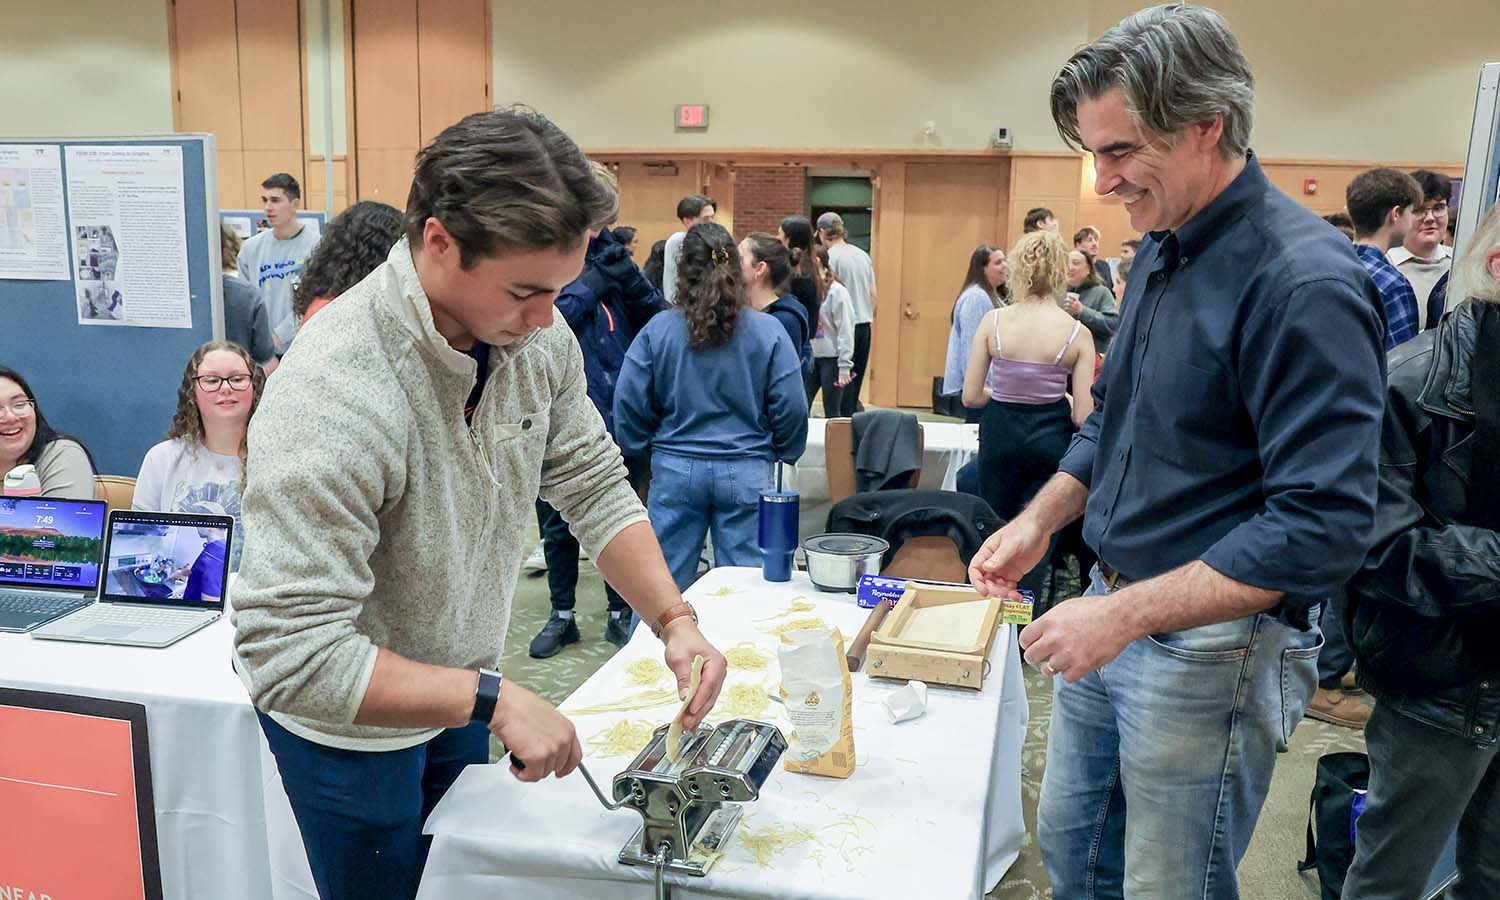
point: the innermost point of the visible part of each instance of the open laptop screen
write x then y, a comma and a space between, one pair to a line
176, 559
47, 543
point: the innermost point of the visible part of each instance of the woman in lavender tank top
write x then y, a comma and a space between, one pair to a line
1029, 350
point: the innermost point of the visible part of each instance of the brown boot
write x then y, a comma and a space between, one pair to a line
1338, 708
1349, 685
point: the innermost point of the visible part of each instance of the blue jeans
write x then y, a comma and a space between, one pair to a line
1158, 763
690, 495
361, 813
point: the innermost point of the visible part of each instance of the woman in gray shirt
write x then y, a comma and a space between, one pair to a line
1089, 301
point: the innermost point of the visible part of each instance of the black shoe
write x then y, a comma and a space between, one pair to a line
555, 635
617, 629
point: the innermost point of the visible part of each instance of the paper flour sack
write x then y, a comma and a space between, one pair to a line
818, 695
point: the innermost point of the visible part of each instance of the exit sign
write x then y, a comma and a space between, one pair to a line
694, 116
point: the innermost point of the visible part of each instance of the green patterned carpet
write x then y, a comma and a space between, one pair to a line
1268, 872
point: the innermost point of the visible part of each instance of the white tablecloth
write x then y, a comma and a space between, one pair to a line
933, 809
946, 448
223, 824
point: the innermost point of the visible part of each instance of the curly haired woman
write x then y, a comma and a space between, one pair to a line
201, 464
713, 389
1027, 350
355, 242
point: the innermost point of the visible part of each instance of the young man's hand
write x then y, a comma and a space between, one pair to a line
684, 641
535, 732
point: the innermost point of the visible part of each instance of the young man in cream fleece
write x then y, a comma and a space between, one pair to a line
392, 463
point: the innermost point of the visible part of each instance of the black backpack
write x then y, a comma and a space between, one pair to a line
1338, 797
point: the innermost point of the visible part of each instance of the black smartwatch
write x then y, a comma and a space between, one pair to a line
486, 695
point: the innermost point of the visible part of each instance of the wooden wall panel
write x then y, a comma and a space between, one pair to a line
270, 41
453, 78
313, 196
719, 181
232, 181
950, 208
206, 75
260, 164
387, 108
1051, 181
648, 199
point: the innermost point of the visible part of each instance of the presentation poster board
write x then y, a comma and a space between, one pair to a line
75, 793
142, 228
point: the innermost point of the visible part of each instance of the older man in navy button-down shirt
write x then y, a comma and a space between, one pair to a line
1227, 477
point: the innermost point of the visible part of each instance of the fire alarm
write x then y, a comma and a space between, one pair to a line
1309, 186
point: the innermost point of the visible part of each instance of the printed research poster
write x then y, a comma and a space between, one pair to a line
33, 232
125, 218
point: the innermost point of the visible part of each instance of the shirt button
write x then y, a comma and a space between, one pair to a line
1183, 261
1484, 685
525, 424
1479, 729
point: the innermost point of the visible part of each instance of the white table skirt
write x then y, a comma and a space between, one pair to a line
946, 448
224, 827
932, 810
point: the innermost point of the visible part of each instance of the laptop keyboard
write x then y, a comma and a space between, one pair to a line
116, 614
35, 604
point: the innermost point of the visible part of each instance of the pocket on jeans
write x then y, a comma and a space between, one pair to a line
1220, 642
1299, 679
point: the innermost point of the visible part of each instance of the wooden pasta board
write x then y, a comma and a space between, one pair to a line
939, 634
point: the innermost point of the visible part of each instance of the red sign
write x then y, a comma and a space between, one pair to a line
695, 116
1309, 186
68, 783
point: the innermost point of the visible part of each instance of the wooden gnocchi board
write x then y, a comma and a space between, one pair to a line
940, 634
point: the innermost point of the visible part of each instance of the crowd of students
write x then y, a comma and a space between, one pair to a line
415, 381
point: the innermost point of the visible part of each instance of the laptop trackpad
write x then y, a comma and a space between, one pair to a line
109, 632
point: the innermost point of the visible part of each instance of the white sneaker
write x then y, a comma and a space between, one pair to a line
536, 562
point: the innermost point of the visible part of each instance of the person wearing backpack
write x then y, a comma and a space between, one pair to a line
1424, 609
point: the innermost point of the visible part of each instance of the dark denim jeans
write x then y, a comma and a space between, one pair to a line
361, 813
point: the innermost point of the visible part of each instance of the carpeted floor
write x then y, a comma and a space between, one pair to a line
1268, 872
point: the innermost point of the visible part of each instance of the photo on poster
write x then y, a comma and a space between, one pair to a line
99, 296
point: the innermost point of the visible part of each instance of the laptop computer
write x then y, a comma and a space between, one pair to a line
50, 551
164, 578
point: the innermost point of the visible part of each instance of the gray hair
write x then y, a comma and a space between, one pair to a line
1178, 65
1471, 279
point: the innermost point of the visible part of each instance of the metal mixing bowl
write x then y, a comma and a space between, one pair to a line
836, 562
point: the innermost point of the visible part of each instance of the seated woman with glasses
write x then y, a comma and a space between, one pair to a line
35, 459
201, 464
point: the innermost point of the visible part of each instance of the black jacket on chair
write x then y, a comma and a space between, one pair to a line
1424, 609
898, 515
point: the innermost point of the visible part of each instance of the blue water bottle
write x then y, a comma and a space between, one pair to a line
779, 511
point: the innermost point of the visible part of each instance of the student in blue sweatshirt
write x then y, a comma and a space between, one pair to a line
766, 264
713, 390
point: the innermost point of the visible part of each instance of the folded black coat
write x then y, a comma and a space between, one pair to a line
900, 515
887, 446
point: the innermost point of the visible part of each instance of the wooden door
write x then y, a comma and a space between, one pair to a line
949, 209
648, 199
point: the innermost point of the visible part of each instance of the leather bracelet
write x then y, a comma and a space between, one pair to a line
486, 696
674, 612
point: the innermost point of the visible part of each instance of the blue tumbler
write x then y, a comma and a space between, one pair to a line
779, 510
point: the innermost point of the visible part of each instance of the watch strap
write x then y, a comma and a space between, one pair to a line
486, 696
675, 611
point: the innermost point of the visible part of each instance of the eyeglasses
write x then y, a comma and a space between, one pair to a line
20, 408
1436, 210
212, 383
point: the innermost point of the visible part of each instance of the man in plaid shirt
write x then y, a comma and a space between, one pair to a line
1380, 202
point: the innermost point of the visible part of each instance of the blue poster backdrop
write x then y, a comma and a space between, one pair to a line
115, 388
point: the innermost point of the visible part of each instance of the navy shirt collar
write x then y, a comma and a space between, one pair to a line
1177, 247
